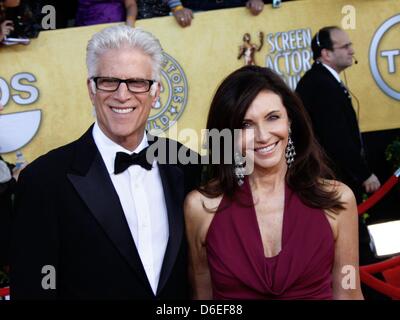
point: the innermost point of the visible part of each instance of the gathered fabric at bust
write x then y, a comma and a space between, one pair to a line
238, 267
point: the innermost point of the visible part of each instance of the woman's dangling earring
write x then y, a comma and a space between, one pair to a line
239, 168
290, 150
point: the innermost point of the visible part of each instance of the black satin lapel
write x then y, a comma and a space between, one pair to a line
97, 191
173, 185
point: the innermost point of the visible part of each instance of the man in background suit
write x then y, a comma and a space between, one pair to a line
334, 120
329, 104
101, 217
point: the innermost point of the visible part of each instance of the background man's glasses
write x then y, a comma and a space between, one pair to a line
346, 46
112, 84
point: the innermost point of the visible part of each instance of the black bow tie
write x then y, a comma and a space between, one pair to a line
123, 161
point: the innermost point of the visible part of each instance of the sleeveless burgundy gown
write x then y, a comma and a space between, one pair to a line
238, 267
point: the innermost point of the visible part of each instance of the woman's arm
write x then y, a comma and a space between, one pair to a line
197, 223
131, 12
346, 277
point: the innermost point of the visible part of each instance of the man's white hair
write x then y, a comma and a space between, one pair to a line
122, 36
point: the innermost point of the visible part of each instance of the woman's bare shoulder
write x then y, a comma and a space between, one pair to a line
197, 205
199, 212
345, 194
349, 212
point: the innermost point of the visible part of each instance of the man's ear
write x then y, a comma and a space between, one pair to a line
155, 93
153, 89
91, 88
326, 54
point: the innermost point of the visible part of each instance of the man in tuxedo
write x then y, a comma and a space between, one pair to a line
334, 120
102, 217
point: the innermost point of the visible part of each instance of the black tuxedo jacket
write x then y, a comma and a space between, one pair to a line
335, 124
68, 216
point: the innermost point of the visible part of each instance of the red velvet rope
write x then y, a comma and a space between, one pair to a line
4, 292
379, 194
379, 285
382, 266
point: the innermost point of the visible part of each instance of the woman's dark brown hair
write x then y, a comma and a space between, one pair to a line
227, 111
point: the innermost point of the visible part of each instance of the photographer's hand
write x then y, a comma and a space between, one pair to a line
5, 28
255, 6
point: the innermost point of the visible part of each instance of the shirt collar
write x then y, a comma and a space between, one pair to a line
109, 148
333, 71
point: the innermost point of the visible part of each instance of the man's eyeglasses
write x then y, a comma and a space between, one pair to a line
112, 84
346, 46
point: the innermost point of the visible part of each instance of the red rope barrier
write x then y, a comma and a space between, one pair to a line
383, 265
379, 194
4, 292
380, 286
366, 275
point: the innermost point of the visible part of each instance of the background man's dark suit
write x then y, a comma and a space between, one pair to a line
68, 215
335, 125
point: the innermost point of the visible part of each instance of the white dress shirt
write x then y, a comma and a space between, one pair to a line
141, 194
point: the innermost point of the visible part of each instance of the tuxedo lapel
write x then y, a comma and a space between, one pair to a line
338, 86
92, 182
341, 96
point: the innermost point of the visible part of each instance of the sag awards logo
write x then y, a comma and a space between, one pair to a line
289, 54
173, 96
247, 50
17, 129
384, 58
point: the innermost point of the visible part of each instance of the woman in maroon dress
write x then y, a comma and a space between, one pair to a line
285, 229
